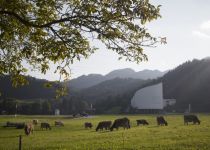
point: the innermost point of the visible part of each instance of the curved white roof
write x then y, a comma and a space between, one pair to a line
150, 97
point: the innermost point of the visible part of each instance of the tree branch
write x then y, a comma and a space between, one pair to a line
28, 23
32, 24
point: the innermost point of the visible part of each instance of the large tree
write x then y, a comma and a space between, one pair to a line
37, 32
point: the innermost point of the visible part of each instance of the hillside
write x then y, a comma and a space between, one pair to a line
84, 81
34, 90
189, 84
109, 94
129, 73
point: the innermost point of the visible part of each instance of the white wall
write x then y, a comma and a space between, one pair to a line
150, 97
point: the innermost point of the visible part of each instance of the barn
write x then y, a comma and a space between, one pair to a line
148, 99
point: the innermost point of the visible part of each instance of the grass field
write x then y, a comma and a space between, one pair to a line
175, 136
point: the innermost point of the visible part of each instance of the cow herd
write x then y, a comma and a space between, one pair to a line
103, 125
125, 123
29, 127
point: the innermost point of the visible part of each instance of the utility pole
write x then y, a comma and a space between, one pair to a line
16, 109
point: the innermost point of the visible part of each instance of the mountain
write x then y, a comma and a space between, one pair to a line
148, 74
129, 73
83, 82
86, 81
189, 83
109, 94
108, 88
120, 73
34, 90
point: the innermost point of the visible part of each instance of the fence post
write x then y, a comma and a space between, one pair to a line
20, 142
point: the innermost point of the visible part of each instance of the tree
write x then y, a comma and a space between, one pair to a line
46, 107
9, 105
38, 32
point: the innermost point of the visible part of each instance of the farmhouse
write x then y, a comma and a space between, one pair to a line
150, 99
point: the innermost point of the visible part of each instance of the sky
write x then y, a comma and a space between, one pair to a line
185, 23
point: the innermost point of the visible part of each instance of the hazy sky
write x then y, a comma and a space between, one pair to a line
185, 23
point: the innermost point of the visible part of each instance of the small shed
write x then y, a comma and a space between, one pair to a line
57, 112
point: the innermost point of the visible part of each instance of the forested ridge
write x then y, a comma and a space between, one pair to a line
188, 84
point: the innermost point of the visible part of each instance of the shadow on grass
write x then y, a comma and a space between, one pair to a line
105, 131
41, 130
154, 126
9, 137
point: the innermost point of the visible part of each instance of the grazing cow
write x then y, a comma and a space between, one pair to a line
11, 124
35, 121
18, 125
59, 123
161, 121
88, 125
45, 125
122, 122
29, 128
104, 125
142, 121
191, 118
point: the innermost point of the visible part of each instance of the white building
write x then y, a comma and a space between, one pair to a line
57, 112
169, 102
150, 99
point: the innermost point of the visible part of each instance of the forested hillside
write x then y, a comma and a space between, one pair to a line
111, 95
189, 83
35, 89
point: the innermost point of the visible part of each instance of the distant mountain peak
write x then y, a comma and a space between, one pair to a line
125, 69
90, 75
128, 70
86, 81
207, 58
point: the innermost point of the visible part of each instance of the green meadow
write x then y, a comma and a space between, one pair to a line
175, 136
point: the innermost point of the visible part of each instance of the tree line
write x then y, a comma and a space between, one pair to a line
11, 106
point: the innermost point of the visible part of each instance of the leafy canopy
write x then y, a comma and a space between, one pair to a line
37, 32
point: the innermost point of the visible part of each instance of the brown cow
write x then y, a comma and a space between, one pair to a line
122, 122
29, 128
45, 125
191, 118
142, 121
104, 125
88, 125
35, 121
161, 121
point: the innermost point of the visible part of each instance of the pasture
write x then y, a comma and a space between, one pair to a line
175, 136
